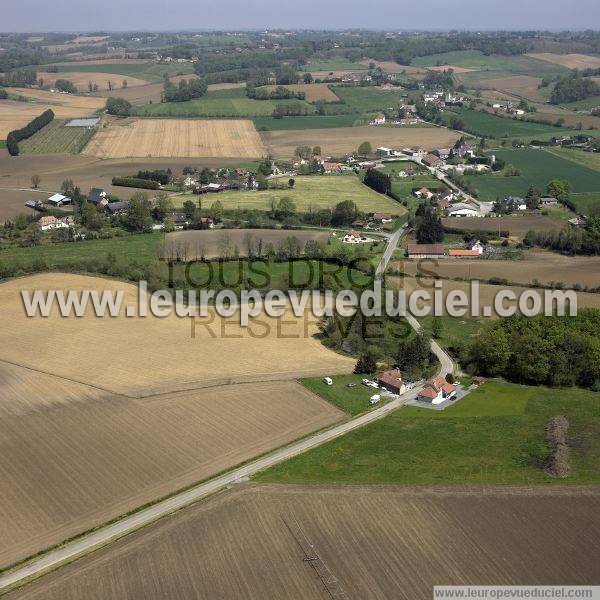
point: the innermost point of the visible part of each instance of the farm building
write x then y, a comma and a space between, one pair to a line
462, 210
425, 250
516, 203
58, 200
82, 122
383, 151
463, 253
548, 201
354, 237
442, 153
436, 390
392, 381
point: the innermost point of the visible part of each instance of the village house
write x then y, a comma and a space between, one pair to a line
465, 148
392, 381
332, 167
462, 210
423, 193
51, 222
381, 218
379, 119
58, 200
436, 390
97, 196
433, 161
354, 237
425, 250
442, 153
383, 151
117, 208
515, 203
548, 201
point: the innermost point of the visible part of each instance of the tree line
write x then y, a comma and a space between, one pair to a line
15, 136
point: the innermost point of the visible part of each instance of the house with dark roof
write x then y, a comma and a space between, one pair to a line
96, 195
117, 208
433, 161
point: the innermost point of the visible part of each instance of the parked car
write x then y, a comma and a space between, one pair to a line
328, 380
375, 399
350, 385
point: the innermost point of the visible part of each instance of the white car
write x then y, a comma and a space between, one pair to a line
328, 380
373, 384
375, 399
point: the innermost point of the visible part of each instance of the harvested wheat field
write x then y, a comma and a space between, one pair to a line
379, 542
14, 115
313, 91
487, 293
448, 67
82, 79
341, 140
151, 92
571, 61
74, 457
177, 138
76, 103
518, 85
12, 202
545, 267
156, 354
197, 244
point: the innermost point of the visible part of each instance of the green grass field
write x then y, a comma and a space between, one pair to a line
537, 168
309, 122
473, 59
153, 72
309, 191
354, 400
334, 65
587, 204
55, 138
488, 125
218, 103
456, 332
587, 159
494, 436
369, 99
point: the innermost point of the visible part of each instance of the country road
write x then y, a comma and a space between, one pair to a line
91, 541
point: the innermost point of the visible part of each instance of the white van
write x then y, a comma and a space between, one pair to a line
328, 380
375, 399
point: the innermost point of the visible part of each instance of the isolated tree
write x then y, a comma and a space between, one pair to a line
216, 210
317, 151
286, 207
430, 229
189, 208
291, 182
35, 181
365, 149
437, 327
307, 78
124, 84
162, 206
118, 106
67, 187
139, 215
344, 213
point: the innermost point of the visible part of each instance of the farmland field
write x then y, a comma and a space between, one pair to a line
141, 94
79, 105
149, 71
83, 78
518, 85
517, 225
545, 267
485, 124
339, 141
308, 122
390, 66
380, 543
334, 65
155, 355
205, 243
537, 167
75, 457
587, 203
368, 99
12, 202
177, 138
231, 102
496, 435
313, 91
312, 191
473, 59
55, 138
570, 61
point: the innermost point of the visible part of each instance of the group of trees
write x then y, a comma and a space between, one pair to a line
65, 85
429, 228
185, 90
15, 136
18, 78
118, 106
293, 109
279, 93
378, 181
574, 240
542, 350
573, 88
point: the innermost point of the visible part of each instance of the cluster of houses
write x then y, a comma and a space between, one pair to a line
435, 391
438, 251
51, 222
374, 222
509, 108
380, 119
441, 99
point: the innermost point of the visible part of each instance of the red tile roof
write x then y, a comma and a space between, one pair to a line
460, 252
393, 377
426, 249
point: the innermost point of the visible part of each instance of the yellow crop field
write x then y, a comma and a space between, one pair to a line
71, 101
571, 61
74, 457
313, 91
137, 356
177, 138
82, 79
